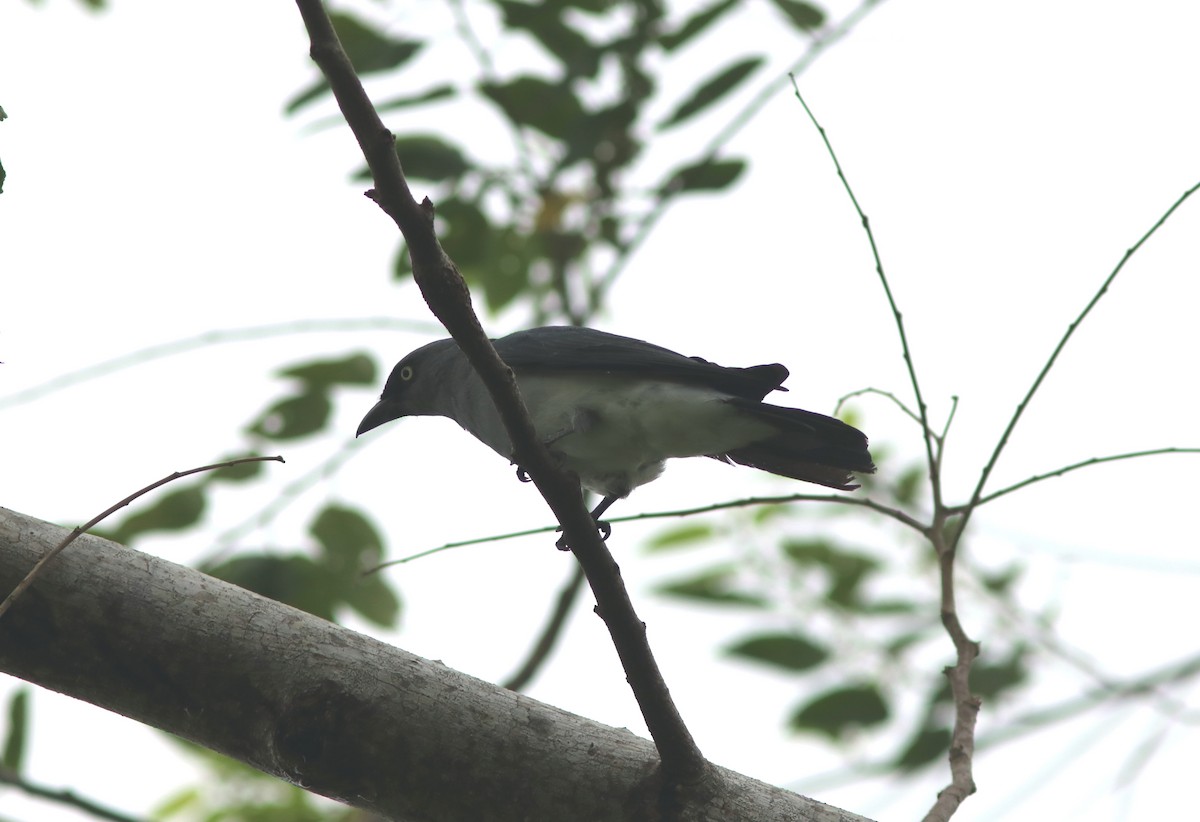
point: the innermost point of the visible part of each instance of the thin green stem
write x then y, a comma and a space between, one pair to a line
1066, 469
977, 497
929, 437
862, 502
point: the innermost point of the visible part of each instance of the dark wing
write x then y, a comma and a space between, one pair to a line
570, 349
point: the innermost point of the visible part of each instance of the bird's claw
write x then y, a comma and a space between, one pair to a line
604, 529
523, 475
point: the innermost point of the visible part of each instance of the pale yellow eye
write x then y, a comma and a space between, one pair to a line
406, 373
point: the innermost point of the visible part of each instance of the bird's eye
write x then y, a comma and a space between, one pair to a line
406, 373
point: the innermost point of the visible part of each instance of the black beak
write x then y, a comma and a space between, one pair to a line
384, 411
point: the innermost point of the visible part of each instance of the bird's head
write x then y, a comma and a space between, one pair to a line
416, 385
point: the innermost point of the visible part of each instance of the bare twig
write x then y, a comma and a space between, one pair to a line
977, 496
923, 412
899, 403
83, 529
444, 290
1066, 469
944, 537
227, 540
862, 502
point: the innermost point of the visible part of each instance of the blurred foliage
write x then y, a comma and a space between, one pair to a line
547, 228
550, 225
846, 621
16, 732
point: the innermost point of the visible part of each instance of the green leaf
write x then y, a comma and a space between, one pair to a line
888, 607
292, 579
835, 713
695, 25
606, 139
436, 93
847, 569
551, 108
294, 417
929, 745
369, 50
18, 731
709, 175
683, 536
348, 539
577, 54
426, 157
713, 90
371, 597
802, 15
791, 652
467, 235
1001, 582
504, 275
714, 586
402, 263
990, 681
173, 511
908, 485
356, 369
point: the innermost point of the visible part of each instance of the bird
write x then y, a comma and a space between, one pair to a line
613, 409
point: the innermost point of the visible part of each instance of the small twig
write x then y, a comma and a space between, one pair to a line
82, 529
977, 496
899, 403
966, 705
1066, 469
935, 479
746, 502
62, 797
550, 633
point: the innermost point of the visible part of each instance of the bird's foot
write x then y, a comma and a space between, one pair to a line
523, 475
604, 529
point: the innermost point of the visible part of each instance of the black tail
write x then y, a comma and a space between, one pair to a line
809, 447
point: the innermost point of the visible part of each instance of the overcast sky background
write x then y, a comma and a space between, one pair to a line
1007, 155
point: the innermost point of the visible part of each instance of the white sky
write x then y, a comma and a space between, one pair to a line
1007, 154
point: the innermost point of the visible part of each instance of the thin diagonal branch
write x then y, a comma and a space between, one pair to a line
899, 403
1066, 469
966, 705
446, 293
78, 531
862, 502
935, 480
62, 796
977, 496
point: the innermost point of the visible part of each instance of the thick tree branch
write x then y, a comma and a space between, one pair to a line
328, 709
446, 293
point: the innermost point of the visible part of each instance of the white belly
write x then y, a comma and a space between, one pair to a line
616, 435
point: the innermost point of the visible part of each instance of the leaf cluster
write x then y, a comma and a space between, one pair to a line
573, 196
